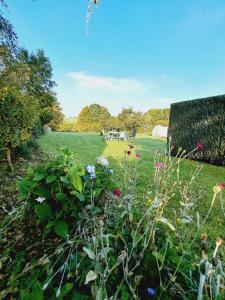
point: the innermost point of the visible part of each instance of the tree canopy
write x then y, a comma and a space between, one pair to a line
91, 118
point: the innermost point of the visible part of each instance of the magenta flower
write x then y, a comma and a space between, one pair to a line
200, 146
138, 155
160, 165
117, 193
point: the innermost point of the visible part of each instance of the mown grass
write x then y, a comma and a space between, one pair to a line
90, 146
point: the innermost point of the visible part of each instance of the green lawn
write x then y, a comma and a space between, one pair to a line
90, 146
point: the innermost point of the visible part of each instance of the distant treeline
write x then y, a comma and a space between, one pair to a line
95, 118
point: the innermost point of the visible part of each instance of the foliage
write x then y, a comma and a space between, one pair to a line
27, 101
40, 82
118, 245
199, 122
155, 117
58, 116
8, 36
96, 117
68, 125
18, 115
130, 119
92, 117
58, 190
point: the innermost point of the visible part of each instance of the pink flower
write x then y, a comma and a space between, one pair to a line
138, 155
160, 165
200, 146
117, 193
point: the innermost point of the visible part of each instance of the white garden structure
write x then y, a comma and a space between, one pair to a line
160, 131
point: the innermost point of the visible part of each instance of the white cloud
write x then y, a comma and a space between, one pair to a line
86, 80
81, 88
112, 92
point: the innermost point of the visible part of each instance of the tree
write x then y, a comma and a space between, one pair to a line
41, 83
58, 116
155, 117
18, 115
92, 118
8, 36
130, 120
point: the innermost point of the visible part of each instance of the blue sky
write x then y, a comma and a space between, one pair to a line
138, 53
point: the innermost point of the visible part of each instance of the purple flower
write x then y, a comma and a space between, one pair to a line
151, 292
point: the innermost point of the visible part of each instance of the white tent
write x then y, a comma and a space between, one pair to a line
160, 131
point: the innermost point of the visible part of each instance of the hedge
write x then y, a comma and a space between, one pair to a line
199, 121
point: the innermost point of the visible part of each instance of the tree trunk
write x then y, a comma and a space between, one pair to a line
8, 158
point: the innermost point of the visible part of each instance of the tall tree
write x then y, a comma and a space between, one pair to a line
8, 36
130, 120
92, 117
58, 116
41, 83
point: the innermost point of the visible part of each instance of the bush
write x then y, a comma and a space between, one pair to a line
26, 150
202, 122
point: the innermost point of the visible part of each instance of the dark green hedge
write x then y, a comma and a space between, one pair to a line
199, 121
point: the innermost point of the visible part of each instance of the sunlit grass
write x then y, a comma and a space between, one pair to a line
90, 146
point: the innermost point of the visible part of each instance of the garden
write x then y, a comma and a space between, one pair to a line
85, 217
132, 224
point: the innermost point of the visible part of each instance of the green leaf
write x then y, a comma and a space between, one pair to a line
75, 173
24, 295
89, 252
38, 176
37, 293
124, 292
48, 228
165, 221
43, 192
65, 290
43, 211
104, 252
25, 187
61, 228
90, 277
50, 178
101, 294
80, 196
61, 197
64, 179
77, 183
131, 216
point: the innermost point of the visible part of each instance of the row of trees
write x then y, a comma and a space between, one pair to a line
27, 98
96, 117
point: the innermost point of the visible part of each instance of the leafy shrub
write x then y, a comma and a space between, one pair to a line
199, 121
59, 189
26, 150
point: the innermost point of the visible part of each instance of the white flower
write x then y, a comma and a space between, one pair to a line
40, 199
90, 169
111, 171
103, 161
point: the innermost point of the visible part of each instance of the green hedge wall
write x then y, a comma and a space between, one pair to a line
199, 121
